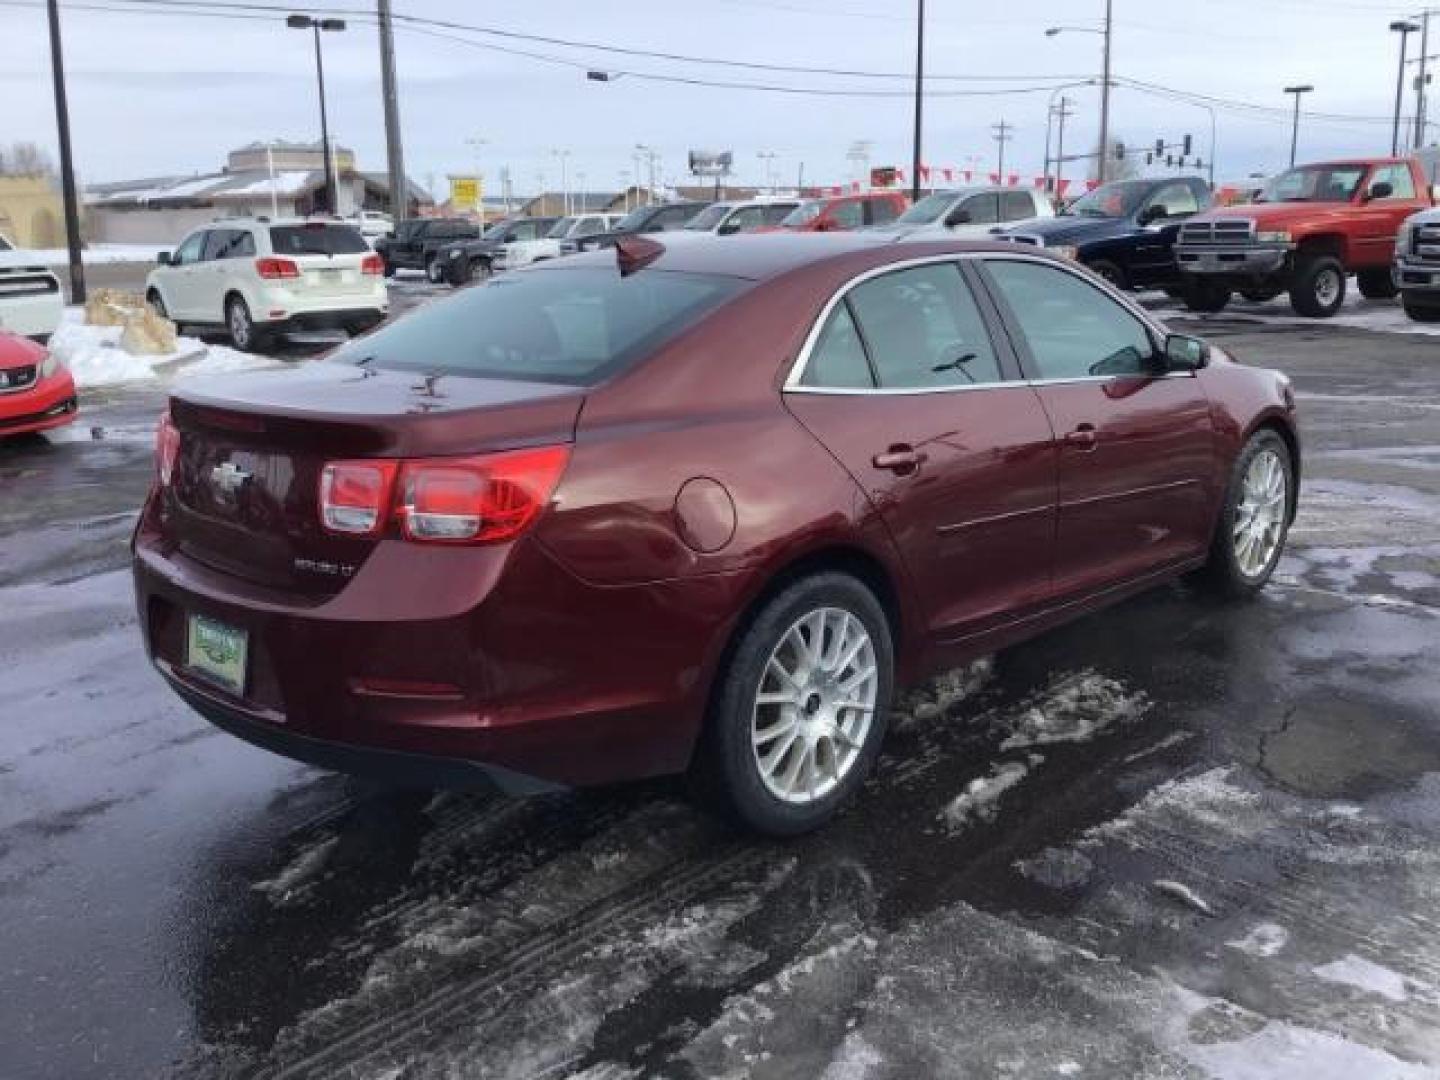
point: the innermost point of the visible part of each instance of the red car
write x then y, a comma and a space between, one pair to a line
844, 212
646, 510
36, 391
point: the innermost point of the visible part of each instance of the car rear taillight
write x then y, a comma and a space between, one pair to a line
167, 448
474, 500
272, 268
354, 496
372, 264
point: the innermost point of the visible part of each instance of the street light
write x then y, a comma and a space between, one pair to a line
306, 22
1106, 33
768, 156
564, 156
1295, 129
1403, 27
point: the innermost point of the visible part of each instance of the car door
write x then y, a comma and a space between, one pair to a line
1381, 213
904, 381
179, 288
975, 216
1136, 446
1152, 256
207, 278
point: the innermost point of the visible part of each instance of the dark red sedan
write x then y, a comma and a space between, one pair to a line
648, 510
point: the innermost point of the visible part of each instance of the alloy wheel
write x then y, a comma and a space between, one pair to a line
1327, 287
814, 705
1260, 517
240, 329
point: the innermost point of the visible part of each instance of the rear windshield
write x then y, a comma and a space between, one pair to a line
317, 238
568, 325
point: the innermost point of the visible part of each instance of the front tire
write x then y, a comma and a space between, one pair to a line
434, 272
1255, 519
800, 708
1319, 286
1208, 297
1111, 273
1420, 310
460, 271
1376, 284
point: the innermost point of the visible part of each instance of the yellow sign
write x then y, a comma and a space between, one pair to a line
466, 192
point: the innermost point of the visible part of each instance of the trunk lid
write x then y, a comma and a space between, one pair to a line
330, 256
244, 496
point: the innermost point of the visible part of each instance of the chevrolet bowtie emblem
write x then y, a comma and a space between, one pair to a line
229, 478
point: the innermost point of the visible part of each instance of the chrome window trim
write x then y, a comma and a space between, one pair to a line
793, 385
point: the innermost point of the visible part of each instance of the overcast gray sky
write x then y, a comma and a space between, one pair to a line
154, 94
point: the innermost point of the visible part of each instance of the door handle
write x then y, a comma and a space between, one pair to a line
900, 459
1083, 438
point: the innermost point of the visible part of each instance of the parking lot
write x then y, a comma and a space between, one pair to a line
1176, 839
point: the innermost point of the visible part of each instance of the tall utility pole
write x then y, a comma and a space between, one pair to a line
67, 164
1105, 97
394, 154
1003, 134
919, 98
1298, 91
1062, 113
1422, 95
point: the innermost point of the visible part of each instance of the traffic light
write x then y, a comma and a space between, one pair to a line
1149, 157
1169, 161
1159, 147
1119, 151
1186, 151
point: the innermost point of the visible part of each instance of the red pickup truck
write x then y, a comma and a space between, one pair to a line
1311, 228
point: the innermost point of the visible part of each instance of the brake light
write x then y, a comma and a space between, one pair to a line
373, 265
474, 500
167, 448
272, 268
354, 496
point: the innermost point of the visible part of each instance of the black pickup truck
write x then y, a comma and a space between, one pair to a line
416, 244
462, 261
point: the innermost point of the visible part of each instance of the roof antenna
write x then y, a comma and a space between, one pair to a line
634, 253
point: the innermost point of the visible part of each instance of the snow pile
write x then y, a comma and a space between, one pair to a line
94, 356
98, 254
1366, 976
978, 801
1076, 709
1264, 940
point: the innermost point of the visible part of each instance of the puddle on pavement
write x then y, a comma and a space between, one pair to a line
1342, 748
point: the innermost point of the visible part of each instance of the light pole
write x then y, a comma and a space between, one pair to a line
1403, 27
564, 156
305, 22
1106, 33
768, 156
919, 98
475, 143
1050, 113
67, 167
1295, 128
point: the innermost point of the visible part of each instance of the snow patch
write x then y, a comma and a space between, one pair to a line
855, 1060
1076, 710
978, 801
94, 356
1209, 800
934, 698
1183, 893
294, 881
1362, 974
1263, 940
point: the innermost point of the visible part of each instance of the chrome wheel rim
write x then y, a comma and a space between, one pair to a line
1327, 287
814, 705
1260, 517
239, 326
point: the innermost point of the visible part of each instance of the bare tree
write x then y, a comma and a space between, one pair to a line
25, 159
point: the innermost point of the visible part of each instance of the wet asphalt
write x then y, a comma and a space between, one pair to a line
1176, 839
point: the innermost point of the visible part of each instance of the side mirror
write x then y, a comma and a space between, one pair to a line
957, 217
1382, 189
729, 228
164, 259
1151, 214
1184, 353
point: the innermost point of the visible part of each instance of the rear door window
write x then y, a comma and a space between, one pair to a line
881, 211
983, 210
1016, 206
569, 325
317, 238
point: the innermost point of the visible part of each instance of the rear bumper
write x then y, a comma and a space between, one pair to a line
543, 675
1237, 261
347, 318
50, 404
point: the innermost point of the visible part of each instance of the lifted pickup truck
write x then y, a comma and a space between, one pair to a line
1417, 265
1310, 229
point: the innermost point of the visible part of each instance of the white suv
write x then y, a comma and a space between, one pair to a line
259, 278
562, 239
31, 299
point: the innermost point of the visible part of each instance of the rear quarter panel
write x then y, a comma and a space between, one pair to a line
1242, 400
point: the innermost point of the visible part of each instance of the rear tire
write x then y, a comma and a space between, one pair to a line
800, 707
1254, 520
460, 271
1318, 289
1376, 284
434, 272
1206, 296
1420, 310
244, 334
